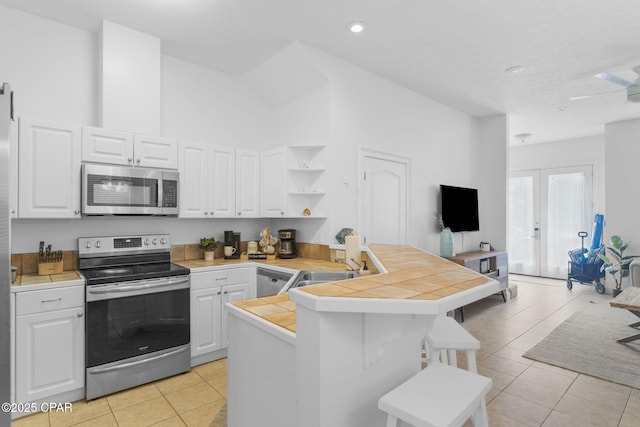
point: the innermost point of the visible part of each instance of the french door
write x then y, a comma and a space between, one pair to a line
547, 209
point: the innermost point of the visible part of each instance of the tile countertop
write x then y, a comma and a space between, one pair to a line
412, 275
34, 282
293, 263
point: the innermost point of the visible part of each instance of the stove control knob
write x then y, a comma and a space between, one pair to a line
163, 241
146, 242
98, 244
87, 245
155, 241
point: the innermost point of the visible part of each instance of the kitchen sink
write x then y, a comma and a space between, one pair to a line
306, 277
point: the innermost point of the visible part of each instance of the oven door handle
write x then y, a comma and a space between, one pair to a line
138, 363
132, 288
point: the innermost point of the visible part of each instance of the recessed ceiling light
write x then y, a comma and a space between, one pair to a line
563, 108
523, 136
514, 70
357, 27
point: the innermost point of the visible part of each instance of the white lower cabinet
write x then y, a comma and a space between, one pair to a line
49, 345
210, 291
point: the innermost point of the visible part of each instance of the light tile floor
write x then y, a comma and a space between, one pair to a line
525, 393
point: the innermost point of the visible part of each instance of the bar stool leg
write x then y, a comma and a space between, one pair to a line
453, 357
471, 361
392, 421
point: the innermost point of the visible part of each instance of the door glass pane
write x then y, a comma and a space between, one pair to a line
568, 212
522, 244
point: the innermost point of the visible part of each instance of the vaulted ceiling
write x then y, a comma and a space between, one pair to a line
455, 52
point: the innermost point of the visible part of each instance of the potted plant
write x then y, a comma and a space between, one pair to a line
209, 245
619, 266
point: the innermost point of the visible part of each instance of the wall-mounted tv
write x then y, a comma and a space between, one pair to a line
459, 208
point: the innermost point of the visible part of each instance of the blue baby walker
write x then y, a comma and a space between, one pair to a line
585, 266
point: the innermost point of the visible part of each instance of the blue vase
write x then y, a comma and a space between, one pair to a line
446, 243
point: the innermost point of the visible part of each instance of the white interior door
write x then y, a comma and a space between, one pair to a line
547, 209
384, 201
524, 223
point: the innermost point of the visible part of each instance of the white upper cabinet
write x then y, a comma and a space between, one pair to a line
13, 171
247, 183
49, 169
273, 184
207, 180
123, 148
155, 152
195, 185
223, 179
107, 146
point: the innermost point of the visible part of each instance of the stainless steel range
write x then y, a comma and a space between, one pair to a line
137, 312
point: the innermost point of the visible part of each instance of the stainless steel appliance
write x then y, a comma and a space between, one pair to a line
232, 239
6, 116
125, 190
287, 243
137, 312
271, 282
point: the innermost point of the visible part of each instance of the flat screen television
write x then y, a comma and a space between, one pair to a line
459, 208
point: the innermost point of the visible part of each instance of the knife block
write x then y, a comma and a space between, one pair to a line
45, 268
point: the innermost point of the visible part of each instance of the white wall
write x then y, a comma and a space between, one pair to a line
490, 168
354, 109
622, 154
573, 152
52, 68
369, 111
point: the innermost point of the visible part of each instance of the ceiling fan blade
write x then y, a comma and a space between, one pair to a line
579, 97
614, 79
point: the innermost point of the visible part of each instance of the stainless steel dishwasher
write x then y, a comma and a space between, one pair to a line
269, 282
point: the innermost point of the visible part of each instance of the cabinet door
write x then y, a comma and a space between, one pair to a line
194, 184
247, 183
206, 318
49, 169
232, 293
49, 353
155, 152
107, 146
223, 182
273, 186
13, 171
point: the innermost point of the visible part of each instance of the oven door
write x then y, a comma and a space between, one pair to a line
121, 190
130, 319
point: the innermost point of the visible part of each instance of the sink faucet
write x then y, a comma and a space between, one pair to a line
356, 263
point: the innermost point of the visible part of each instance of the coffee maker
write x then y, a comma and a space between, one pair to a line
287, 239
232, 239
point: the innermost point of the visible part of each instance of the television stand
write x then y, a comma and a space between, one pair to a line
493, 264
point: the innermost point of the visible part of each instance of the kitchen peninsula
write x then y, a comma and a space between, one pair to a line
324, 354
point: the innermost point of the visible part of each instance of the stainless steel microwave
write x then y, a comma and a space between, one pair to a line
125, 190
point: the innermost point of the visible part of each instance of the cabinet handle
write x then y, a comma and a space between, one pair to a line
239, 213
80, 314
219, 292
221, 278
46, 301
76, 212
206, 213
226, 292
138, 161
13, 212
129, 159
211, 213
282, 213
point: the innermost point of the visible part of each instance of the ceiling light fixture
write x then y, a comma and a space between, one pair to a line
514, 70
356, 27
523, 136
563, 108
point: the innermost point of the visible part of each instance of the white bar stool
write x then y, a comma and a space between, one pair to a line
446, 337
438, 396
